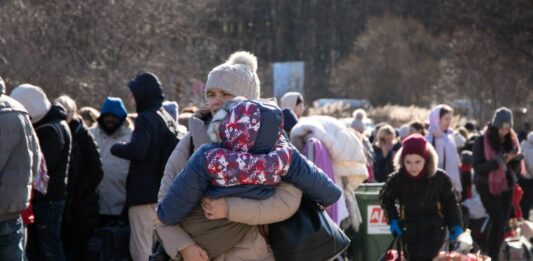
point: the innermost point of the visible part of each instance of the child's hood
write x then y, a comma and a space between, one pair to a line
247, 126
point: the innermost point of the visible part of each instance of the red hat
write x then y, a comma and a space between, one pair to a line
415, 144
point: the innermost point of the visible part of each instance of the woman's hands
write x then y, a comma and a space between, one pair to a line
215, 208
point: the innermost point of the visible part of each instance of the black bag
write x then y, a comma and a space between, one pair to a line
309, 234
109, 244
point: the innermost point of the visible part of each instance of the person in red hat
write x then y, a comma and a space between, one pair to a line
426, 198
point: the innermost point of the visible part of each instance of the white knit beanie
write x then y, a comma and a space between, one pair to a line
33, 99
237, 76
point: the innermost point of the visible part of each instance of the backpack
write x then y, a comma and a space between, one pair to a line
516, 248
170, 138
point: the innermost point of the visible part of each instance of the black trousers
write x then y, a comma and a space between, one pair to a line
499, 210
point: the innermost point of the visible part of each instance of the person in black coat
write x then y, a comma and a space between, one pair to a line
81, 216
427, 201
44, 240
384, 148
496, 167
148, 156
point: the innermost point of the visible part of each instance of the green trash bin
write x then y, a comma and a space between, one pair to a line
373, 237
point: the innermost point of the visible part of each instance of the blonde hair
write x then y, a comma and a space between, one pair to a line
69, 104
385, 130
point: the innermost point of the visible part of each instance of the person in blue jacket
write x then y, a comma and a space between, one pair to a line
248, 158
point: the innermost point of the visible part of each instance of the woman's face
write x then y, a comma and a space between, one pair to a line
216, 99
504, 130
387, 139
299, 110
445, 121
414, 164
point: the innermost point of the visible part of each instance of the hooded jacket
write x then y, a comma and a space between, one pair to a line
55, 140
427, 206
145, 148
196, 180
19, 157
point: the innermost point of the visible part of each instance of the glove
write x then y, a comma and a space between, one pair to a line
455, 232
395, 228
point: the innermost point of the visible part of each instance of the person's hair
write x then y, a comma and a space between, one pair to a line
494, 139
445, 110
418, 126
299, 100
385, 130
89, 115
68, 103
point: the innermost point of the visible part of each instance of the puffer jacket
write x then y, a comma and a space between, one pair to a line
427, 206
19, 157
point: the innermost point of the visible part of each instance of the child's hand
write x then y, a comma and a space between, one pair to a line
215, 208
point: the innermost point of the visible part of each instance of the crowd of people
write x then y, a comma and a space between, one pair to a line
203, 184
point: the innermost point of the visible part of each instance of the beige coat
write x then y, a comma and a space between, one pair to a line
112, 189
282, 205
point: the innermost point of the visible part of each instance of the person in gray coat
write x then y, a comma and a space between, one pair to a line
19, 162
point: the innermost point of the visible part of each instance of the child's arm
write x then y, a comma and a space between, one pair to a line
185, 192
282, 205
388, 196
312, 181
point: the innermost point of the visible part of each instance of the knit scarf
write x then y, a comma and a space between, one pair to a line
497, 178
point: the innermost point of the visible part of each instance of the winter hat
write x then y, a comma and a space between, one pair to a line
33, 99
501, 116
2, 86
403, 131
358, 125
467, 157
290, 119
172, 108
115, 106
237, 76
289, 100
415, 144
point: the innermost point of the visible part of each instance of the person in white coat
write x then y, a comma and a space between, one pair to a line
112, 127
442, 138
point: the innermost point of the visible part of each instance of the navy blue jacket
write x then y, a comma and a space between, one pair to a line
194, 181
144, 149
